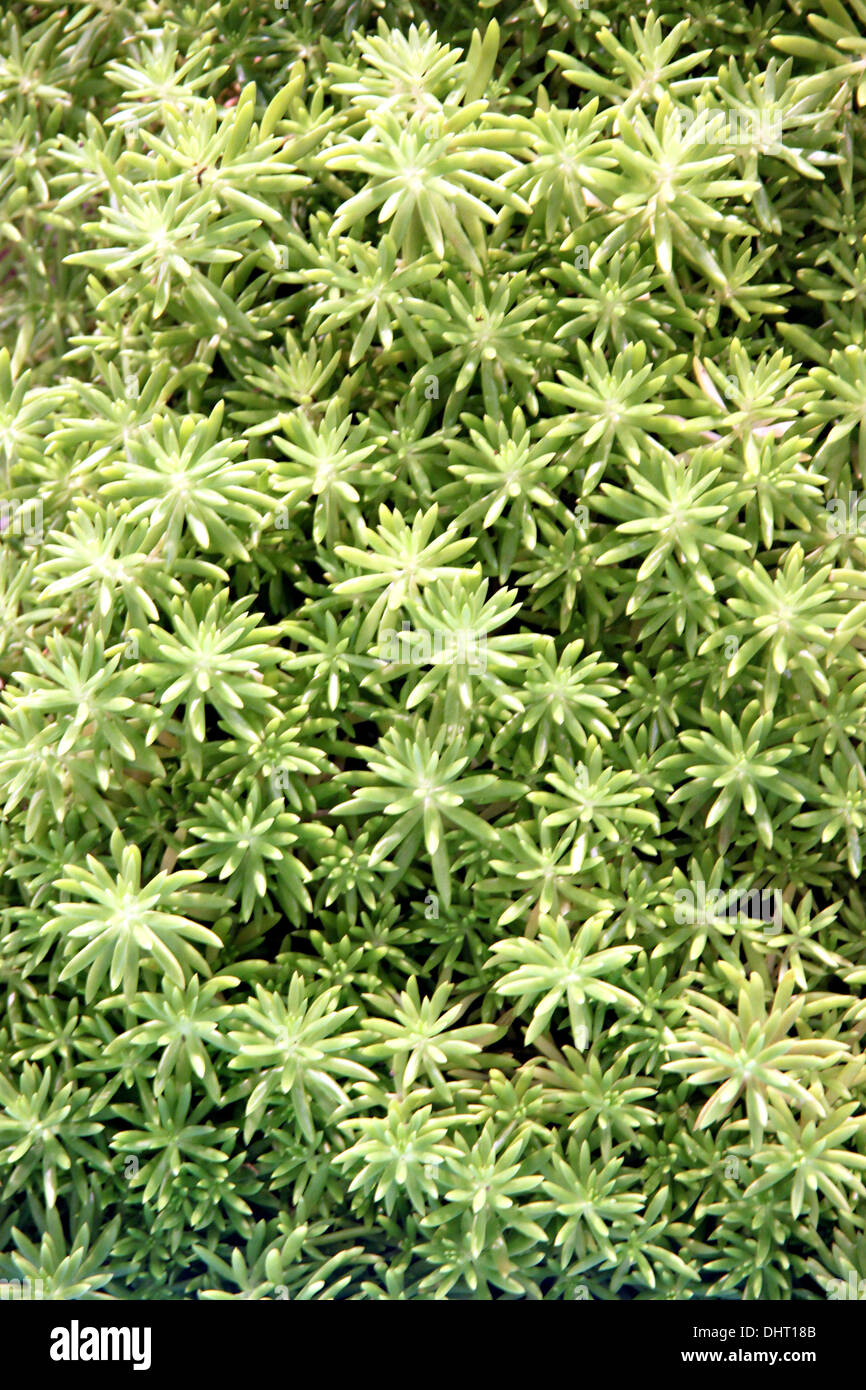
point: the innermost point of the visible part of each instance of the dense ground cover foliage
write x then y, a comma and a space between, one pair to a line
432, 605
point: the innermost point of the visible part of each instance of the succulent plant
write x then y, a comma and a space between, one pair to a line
432, 568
